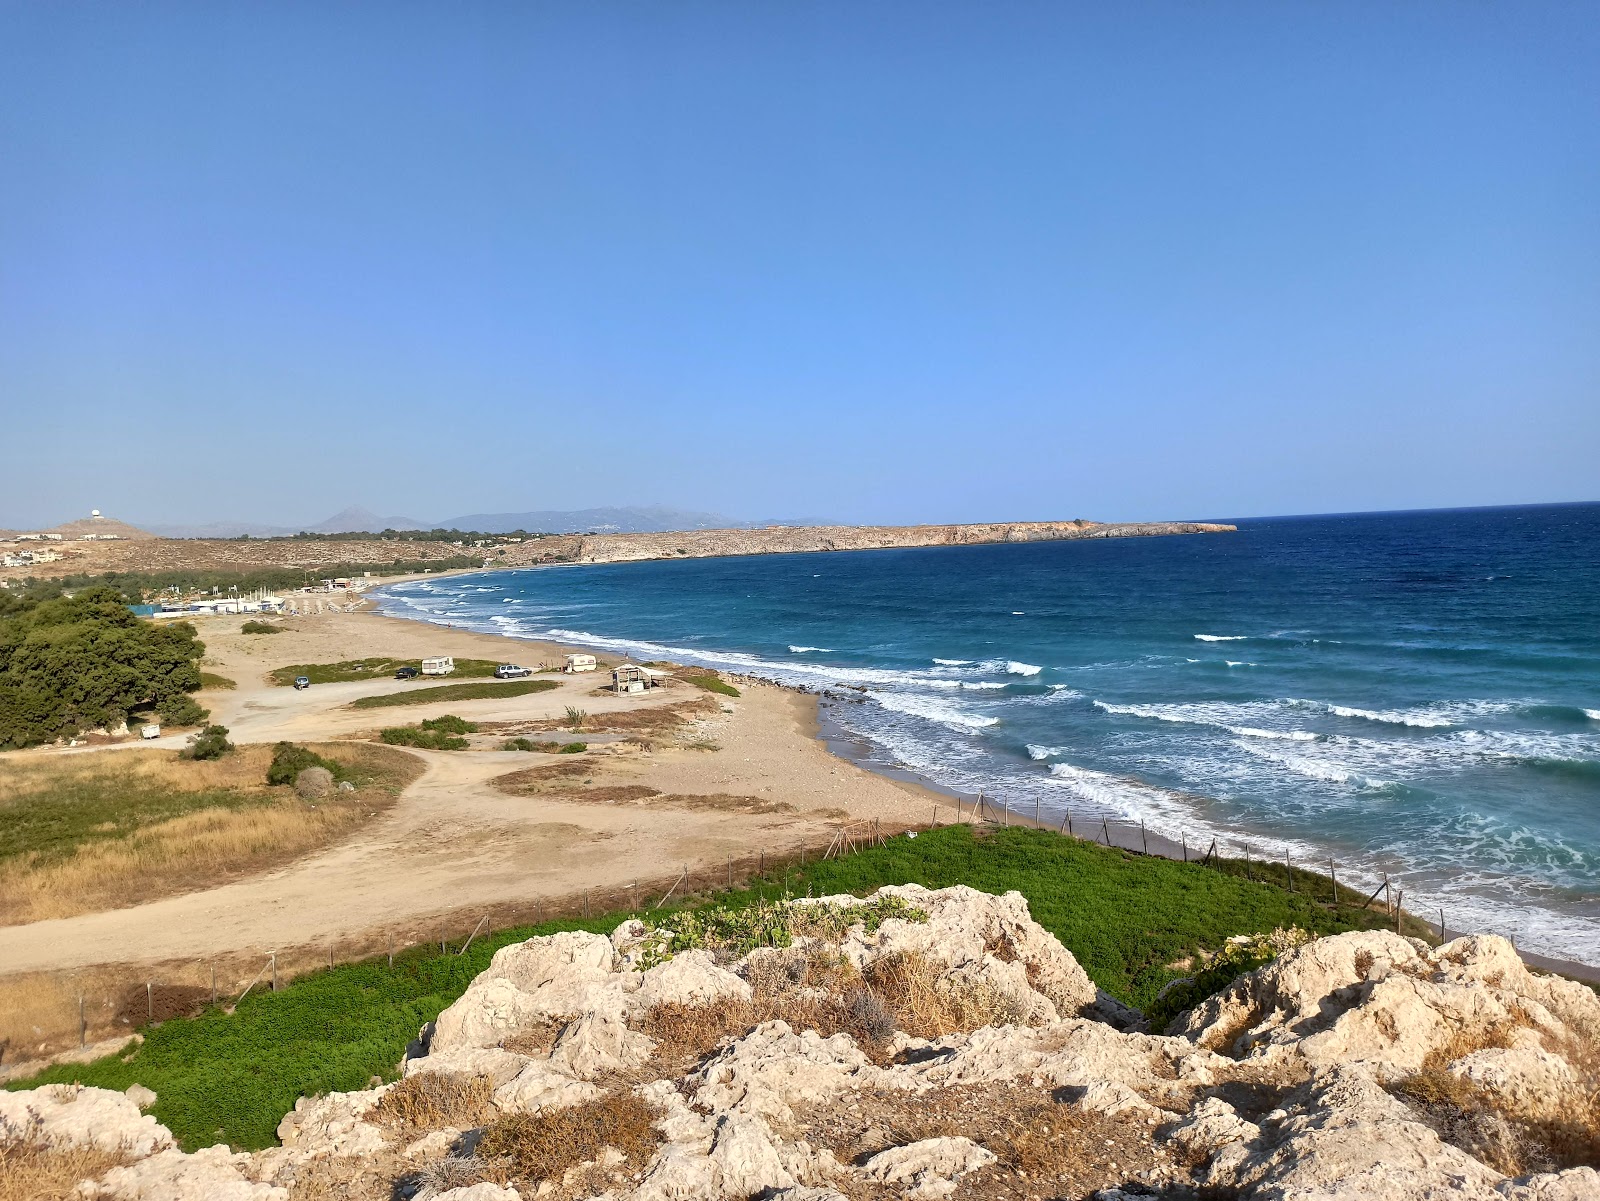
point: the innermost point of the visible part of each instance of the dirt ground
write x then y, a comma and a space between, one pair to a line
454, 841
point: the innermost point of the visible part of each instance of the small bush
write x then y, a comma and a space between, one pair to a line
738, 931
712, 684
575, 718
545, 1146
212, 743
427, 740
434, 1100
573, 748
290, 759
181, 710
1240, 955
260, 627
450, 724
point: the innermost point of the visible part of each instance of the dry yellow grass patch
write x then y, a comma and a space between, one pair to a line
548, 1146
436, 1100
31, 1171
109, 831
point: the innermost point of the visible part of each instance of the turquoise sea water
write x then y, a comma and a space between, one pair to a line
1417, 693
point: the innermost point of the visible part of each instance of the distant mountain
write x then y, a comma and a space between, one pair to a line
356, 520
650, 519
106, 527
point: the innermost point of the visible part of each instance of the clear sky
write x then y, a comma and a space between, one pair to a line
876, 261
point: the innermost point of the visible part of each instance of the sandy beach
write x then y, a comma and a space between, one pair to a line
455, 846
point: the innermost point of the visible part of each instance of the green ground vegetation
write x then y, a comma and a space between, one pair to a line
434, 734
211, 743
1128, 919
212, 680
76, 663
712, 684
454, 692
155, 585
348, 670
260, 627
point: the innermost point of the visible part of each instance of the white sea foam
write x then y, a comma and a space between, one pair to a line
803, 650
1044, 752
1220, 714
1237, 663
1312, 768
1394, 717
954, 662
933, 709
1014, 668
1592, 714
1222, 637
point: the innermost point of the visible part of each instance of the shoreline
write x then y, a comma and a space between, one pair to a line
1118, 831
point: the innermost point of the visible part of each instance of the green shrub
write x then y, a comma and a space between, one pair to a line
525, 744
347, 670
181, 710
453, 692
289, 760
575, 718
450, 724
712, 684
212, 743
211, 680
427, 740
260, 627
1241, 954
572, 748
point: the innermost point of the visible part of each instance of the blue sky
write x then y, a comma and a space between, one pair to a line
882, 262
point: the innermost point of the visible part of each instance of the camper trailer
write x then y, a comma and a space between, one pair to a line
579, 663
443, 665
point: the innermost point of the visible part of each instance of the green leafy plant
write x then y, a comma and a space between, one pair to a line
1241, 954
450, 724
289, 760
212, 743
260, 627
712, 684
575, 718
572, 748
427, 740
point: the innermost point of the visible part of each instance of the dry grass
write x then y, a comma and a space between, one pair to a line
607, 794
814, 989
548, 1146
659, 719
435, 1100
1565, 1134
348, 1178
150, 825
725, 803
31, 1170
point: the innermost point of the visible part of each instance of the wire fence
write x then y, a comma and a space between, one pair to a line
46, 1014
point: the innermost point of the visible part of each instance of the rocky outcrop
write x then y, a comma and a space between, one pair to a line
1299, 1081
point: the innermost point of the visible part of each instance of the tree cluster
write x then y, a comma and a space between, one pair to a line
69, 664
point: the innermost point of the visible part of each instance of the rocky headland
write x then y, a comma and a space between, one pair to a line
919, 1044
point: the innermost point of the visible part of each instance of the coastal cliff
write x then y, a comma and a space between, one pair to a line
781, 540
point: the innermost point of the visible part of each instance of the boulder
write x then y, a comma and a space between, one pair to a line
141, 1096
929, 1168
72, 1115
214, 1174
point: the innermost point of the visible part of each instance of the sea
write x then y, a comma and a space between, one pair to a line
1411, 693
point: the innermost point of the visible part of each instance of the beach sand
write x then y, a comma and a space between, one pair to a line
454, 845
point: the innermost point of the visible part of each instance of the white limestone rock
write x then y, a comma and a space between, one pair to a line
335, 1124
483, 1191
539, 1086
773, 1068
214, 1174
77, 1116
499, 1065
689, 978
141, 1096
929, 1168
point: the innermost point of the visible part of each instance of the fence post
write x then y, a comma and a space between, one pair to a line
636, 896
213, 986
1105, 830
473, 935
1441, 924
1070, 834
1063, 829
1036, 811
1333, 881
274, 971
1144, 839
83, 1024
391, 952
150, 991
1399, 900
1185, 837
1247, 872
1288, 871
1006, 804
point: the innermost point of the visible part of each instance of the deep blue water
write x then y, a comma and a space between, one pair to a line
1416, 693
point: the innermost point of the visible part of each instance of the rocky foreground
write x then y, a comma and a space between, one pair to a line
922, 1044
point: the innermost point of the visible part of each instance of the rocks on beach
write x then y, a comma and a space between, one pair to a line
1361, 1065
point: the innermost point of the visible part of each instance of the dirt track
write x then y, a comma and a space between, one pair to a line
453, 840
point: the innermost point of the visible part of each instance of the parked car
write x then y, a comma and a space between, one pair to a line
407, 673
511, 671
302, 682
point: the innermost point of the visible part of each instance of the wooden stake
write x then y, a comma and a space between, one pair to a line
1399, 900
1144, 839
83, 1021
1106, 830
150, 993
1333, 880
1185, 837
